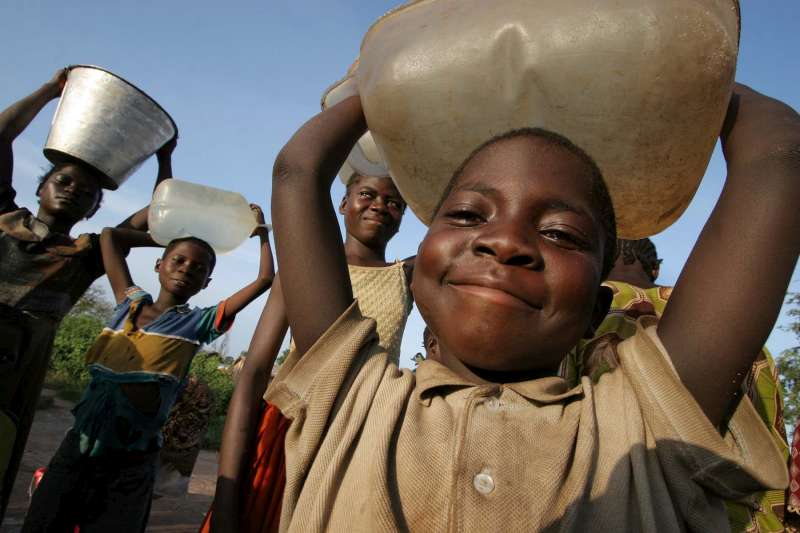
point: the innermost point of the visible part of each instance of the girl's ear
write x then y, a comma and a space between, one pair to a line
158, 265
343, 204
601, 306
208, 280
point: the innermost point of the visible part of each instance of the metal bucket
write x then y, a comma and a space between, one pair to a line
107, 123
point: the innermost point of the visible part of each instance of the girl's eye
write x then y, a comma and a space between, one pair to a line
365, 194
564, 238
61, 178
464, 216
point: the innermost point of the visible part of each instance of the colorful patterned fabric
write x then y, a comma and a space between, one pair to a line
793, 491
136, 373
766, 513
186, 427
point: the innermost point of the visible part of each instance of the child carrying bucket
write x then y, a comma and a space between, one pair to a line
487, 437
250, 484
101, 478
43, 270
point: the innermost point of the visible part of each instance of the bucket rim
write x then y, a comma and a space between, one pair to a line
95, 67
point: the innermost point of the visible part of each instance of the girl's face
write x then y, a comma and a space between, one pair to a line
70, 193
373, 210
184, 270
510, 269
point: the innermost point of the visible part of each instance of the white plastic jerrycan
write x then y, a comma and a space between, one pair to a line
365, 157
641, 85
182, 209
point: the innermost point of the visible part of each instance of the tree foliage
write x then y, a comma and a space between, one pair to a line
789, 366
206, 367
75, 335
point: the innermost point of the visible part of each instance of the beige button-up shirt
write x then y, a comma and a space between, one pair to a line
375, 448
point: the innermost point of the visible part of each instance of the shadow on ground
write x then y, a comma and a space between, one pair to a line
169, 514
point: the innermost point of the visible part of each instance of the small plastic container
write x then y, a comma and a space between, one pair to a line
365, 157
182, 209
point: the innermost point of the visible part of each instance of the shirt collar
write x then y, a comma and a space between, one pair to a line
433, 376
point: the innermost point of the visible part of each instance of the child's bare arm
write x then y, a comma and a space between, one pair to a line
315, 281
15, 118
266, 272
138, 220
730, 292
115, 243
242, 420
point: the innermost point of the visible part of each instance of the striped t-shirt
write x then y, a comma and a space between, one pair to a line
130, 366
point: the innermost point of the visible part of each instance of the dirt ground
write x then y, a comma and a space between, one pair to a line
168, 514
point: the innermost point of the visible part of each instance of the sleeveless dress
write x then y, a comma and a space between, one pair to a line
382, 294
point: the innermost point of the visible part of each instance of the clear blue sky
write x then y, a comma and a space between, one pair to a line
240, 78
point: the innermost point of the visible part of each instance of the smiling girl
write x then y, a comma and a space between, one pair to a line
249, 485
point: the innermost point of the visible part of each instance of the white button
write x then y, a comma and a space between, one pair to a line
493, 404
483, 482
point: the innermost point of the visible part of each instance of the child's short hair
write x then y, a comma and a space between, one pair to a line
200, 242
352, 180
427, 336
600, 195
355, 176
49, 172
642, 250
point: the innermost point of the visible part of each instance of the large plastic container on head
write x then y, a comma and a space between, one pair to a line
641, 85
365, 157
182, 209
107, 123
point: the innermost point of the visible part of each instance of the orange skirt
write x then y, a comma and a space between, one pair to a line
262, 490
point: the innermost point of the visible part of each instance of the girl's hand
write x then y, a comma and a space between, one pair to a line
58, 81
259, 215
165, 152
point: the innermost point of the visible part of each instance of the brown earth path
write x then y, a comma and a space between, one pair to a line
181, 514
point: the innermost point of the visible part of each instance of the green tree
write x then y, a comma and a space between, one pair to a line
75, 335
281, 358
789, 366
206, 367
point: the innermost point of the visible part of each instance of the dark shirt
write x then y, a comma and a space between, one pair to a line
42, 273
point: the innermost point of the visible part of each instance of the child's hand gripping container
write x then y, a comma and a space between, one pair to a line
641, 85
181, 209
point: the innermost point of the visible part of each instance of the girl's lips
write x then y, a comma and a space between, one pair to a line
497, 296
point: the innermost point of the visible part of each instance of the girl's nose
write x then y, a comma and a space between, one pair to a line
510, 244
378, 205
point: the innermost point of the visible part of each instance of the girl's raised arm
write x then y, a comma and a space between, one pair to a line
15, 118
241, 423
731, 289
311, 259
266, 272
115, 243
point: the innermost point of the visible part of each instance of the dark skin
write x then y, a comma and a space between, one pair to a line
71, 191
473, 268
372, 209
183, 271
